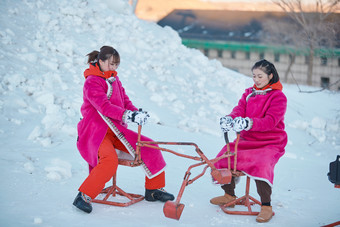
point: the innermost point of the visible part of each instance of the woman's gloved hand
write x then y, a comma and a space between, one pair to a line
226, 123
139, 117
241, 124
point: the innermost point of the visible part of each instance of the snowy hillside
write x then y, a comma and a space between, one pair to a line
42, 58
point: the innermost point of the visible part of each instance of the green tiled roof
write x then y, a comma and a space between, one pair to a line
252, 47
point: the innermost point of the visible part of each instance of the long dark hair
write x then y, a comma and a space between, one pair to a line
268, 68
105, 53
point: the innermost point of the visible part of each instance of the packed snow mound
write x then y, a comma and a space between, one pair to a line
45, 54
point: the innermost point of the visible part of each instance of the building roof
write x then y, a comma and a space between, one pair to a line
256, 47
226, 25
241, 26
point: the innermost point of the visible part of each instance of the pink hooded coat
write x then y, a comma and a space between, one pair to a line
100, 112
261, 147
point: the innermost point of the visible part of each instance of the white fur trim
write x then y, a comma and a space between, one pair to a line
258, 178
250, 123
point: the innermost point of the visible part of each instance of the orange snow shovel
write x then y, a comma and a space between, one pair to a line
174, 209
222, 176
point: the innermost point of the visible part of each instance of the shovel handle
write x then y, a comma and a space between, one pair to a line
226, 138
235, 149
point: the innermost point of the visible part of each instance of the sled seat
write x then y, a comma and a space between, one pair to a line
111, 192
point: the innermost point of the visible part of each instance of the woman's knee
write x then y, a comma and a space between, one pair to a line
108, 162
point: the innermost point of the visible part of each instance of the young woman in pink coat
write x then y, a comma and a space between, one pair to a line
106, 111
259, 117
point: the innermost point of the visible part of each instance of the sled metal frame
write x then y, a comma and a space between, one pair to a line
174, 209
245, 200
114, 190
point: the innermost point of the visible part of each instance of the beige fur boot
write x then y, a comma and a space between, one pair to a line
265, 214
221, 200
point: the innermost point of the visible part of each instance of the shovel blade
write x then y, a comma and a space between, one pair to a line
173, 210
222, 176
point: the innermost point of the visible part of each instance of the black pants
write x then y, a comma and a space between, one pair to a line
263, 189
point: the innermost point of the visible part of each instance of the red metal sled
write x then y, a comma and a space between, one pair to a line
171, 209
223, 176
174, 209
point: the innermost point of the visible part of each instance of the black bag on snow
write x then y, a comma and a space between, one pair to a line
334, 171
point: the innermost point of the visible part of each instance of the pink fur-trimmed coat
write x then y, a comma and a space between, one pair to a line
261, 147
92, 128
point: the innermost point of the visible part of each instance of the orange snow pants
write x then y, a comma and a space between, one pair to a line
107, 167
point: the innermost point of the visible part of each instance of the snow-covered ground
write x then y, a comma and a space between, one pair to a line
42, 55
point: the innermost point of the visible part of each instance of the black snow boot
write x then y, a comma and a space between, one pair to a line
158, 194
83, 202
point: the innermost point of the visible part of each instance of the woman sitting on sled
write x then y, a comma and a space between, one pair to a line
259, 118
106, 112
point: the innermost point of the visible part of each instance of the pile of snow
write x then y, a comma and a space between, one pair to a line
43, 55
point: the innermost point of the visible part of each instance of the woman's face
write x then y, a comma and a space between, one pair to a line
108, 65
260, 78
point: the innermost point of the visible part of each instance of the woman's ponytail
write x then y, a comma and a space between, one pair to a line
92, 57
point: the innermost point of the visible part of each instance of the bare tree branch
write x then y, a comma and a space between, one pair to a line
317, 28
319, 90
